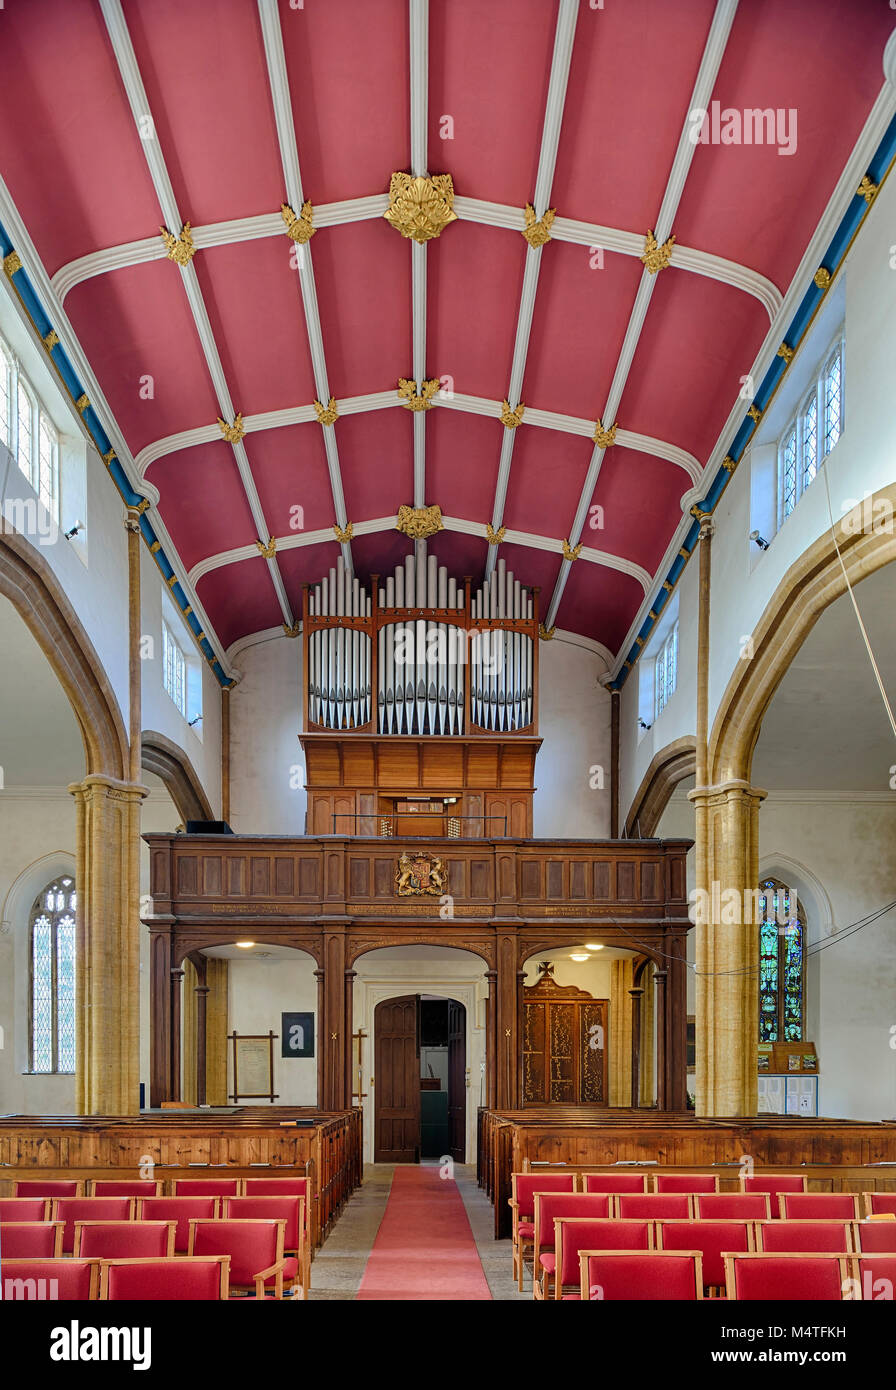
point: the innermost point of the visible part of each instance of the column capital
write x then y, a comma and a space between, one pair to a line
735, 790
97, 785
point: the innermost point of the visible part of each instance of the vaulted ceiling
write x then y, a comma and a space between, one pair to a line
121, 118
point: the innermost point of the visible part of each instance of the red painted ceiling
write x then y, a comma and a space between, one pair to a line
77, 171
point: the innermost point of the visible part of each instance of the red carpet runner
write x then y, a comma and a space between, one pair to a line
424, 1248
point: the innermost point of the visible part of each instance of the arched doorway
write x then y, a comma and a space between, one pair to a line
420, 1102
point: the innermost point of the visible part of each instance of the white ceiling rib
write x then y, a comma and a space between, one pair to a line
289, 158
700, 99
140, 108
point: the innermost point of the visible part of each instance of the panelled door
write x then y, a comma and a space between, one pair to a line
457, 1080
396, 1082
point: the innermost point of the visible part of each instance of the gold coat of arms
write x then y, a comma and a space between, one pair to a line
418, 874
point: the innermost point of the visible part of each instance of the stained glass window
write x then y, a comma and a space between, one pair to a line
53, 978
781, 963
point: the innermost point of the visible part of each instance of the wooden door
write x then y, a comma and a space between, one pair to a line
457, 1081
396, 1083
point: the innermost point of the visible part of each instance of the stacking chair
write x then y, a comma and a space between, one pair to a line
732, 1206
774, 1183
548, 1206
72, 1209
818, 1206
802, 1237
67, 1280
206, 1187
874, 1237
614, 1182
880, 1203
53, 1188
713, 1239
203, 1277
30, 1240
296, 1250
573, 1234
654, 1206
124, 1187
124, 1240
255, 1249
179, 1210
24, 1209
649, 1276
798, 1278
875, 1276
523, 1187
685, 1182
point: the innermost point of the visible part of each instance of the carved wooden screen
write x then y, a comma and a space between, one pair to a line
564, 1045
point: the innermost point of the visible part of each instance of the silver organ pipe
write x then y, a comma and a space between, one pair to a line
421, 660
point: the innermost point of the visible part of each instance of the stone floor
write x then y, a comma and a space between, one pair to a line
338, 1267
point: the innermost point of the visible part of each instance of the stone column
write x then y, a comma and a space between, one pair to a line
107, 971
727, 947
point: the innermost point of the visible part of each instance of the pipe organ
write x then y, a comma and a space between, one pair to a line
421, 655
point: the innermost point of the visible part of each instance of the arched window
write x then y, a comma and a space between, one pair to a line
52, 942
782, 933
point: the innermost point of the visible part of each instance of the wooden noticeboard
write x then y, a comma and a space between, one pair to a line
253, 1066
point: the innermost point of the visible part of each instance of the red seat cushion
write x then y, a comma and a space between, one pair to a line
548, 1262
526, 1230
571, 1297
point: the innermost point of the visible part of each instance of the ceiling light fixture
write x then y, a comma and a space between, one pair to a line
245, 945
579, 955
593, 946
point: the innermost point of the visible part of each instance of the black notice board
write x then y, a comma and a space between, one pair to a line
297, 1033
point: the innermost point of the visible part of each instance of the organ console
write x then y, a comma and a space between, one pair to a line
421, 654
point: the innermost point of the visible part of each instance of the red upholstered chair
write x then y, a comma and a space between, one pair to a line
124, 1187
124, 1240
805, 1278
206, 1187
255, 1249
296, 1250
72, 1209
774, 1183
732, 1206
685, 1182
614, 1182
24, 1209
880, 1203
818, 1206
49, 1189
30, 1240
281, 1187
573, 1234
654, 1206
654, 1275
75, 1280
874, 1237
800, 1237
875, 1276
175, 1280
714, 1239
523, 1187
179, 1210
548, 1206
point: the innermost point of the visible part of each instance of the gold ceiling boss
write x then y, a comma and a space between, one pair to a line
422, 207
419, 522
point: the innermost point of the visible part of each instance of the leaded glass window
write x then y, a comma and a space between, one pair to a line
48, 463
781, 964
5, 397
833, 399
666, 676
788, 474
174, 670
809, 438
25, 432
53, 978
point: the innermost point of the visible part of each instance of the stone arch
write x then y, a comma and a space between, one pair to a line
36, 594
171, 764
668, 767
813, 582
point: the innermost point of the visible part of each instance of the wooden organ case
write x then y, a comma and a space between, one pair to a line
420, 704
